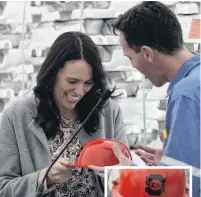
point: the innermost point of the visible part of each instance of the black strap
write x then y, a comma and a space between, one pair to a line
101, 184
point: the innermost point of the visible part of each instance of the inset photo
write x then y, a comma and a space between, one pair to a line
148, 182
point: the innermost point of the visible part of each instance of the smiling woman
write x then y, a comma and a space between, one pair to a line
36, 127
73, 63
73, 81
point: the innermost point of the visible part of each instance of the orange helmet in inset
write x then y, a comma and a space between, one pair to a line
99, 152
150, 183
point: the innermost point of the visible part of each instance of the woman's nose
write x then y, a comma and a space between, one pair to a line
79, 90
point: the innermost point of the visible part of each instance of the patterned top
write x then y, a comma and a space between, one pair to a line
83, 182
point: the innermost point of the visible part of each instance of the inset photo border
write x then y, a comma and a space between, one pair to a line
148, 181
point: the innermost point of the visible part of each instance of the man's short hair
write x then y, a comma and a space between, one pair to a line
153, 24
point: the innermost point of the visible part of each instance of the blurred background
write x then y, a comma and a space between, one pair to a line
28, 29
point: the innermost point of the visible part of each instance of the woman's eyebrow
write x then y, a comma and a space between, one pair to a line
78, 79
72, 78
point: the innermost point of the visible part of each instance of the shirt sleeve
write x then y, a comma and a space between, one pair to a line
181, 147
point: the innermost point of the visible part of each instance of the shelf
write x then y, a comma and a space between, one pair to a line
6, 93
187, 8
118, 68
5, 44
105, 39
116, 8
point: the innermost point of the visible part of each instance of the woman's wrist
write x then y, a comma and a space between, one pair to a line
49, 181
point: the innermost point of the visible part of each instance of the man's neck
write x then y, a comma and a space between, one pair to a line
172, 64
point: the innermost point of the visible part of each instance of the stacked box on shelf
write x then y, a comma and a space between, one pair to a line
13, 68
46, 22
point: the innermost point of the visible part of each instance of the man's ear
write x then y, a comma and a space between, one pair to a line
147, 53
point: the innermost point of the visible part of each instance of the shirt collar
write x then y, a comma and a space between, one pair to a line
183, 71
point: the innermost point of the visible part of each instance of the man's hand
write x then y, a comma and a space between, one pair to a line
151, 156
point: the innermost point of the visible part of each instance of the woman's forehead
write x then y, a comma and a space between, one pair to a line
77, 69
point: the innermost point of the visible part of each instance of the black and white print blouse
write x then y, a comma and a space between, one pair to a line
83, 182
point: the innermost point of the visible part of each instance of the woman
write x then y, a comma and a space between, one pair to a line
35, 127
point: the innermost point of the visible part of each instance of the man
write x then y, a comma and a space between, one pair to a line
151, 37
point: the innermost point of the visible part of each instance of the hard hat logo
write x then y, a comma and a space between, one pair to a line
155, 185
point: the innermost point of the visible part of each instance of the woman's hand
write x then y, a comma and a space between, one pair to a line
123, 161
59, 173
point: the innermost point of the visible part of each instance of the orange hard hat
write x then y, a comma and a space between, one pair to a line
99, 152
150, 183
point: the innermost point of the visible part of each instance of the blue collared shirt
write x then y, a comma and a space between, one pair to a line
182, 144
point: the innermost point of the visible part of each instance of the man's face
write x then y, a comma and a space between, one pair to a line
145, 61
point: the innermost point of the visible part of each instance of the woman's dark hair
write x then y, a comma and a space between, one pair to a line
153, 24
68, 46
